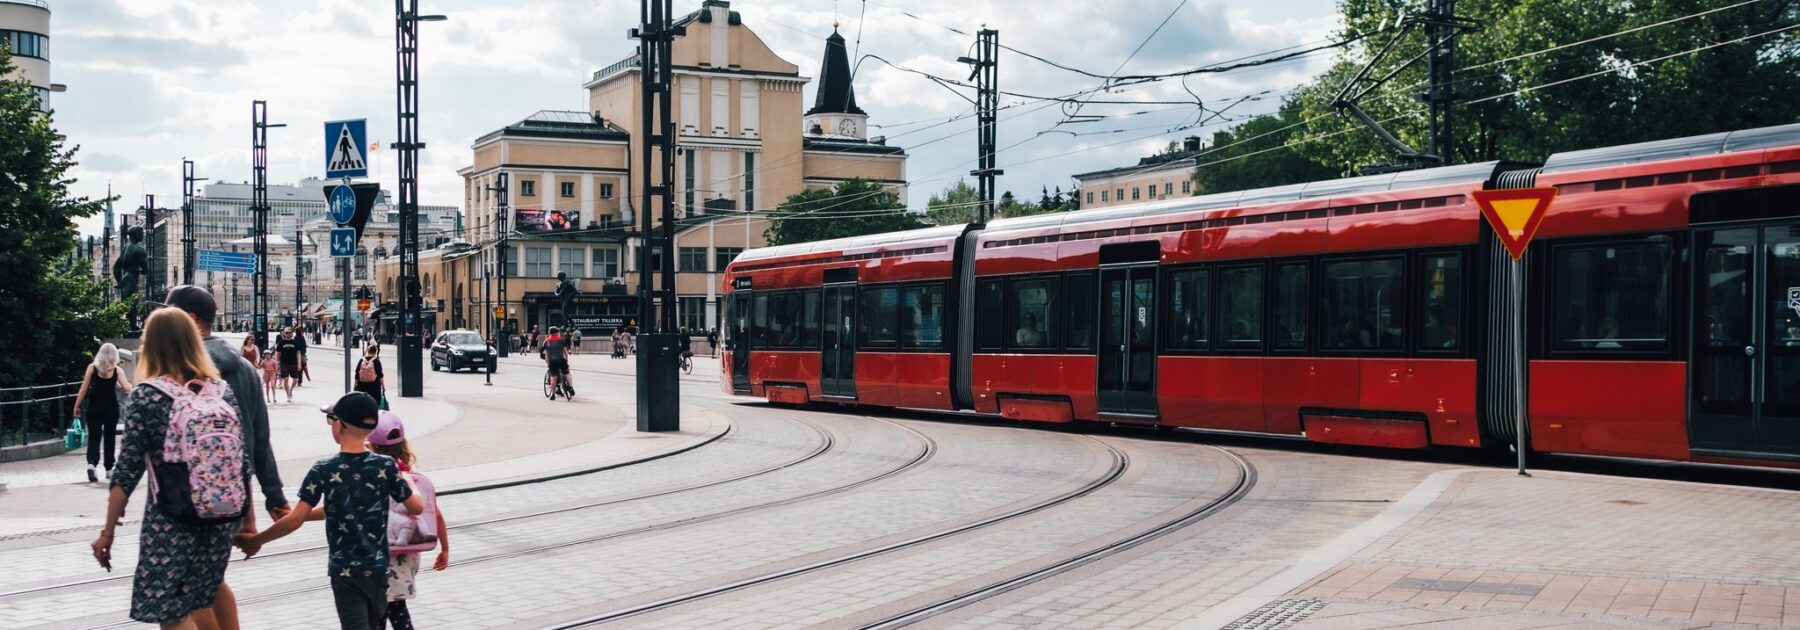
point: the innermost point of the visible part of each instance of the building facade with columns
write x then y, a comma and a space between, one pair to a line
746, 143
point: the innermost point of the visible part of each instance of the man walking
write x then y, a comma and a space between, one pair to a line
253, 417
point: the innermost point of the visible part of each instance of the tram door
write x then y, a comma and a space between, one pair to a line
837, 364
737, 317
1128, 341
1746, 339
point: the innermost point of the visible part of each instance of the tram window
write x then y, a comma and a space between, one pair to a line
809, 321
1240, 308
1190, 293
1363, 303
880, 318
990, 297
1290, 307
1441, 302
1079, 295
1032, 311
922, 316
759, 322
1611, 297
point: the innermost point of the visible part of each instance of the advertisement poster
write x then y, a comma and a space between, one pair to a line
537, 220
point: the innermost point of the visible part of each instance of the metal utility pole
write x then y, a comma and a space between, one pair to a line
106, 259
985, 72
299, 273
501, 339
406, 68
187, 220
1440, 55
148, 219
1441, 27
259, 205
658, 389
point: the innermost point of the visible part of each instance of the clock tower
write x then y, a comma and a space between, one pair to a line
834, 112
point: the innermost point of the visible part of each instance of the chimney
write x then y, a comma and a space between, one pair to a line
1191, 143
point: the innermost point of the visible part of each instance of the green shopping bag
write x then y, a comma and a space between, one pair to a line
76, 436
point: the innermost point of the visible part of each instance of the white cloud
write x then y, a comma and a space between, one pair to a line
152, 81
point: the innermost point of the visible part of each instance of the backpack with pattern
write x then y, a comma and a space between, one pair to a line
199, 478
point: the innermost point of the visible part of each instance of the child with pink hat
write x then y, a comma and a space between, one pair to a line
409, 536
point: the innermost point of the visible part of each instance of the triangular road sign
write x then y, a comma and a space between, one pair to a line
346, 153
1515, 214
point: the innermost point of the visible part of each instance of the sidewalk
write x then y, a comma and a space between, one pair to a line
1490, 549
465, 437
706, 368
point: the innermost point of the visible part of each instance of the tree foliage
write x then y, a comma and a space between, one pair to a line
53, 307
1254, 155
955, 205
1515, 102
854, 207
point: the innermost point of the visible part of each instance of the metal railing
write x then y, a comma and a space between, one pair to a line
38, 412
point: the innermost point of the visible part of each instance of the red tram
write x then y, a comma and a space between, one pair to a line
1661, 301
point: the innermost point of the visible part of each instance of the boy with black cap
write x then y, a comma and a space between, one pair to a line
352, 488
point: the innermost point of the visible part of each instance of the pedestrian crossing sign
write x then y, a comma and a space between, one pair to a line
346, 148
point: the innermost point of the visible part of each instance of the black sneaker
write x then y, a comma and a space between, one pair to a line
91, 477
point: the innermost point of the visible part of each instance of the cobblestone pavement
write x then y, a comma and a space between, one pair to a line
1323, 540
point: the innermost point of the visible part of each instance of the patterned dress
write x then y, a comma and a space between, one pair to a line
179, 566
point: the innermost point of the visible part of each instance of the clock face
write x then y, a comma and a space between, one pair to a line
847, 127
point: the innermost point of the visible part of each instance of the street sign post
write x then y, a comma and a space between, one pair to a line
343, 242
346, 148
1515, 215
233, 262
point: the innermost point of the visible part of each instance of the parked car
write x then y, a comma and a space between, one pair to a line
457, 349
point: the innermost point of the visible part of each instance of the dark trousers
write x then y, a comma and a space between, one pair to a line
361, 602
101, 427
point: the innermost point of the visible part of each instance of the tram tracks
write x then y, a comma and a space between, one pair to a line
826, 442
926, 450
1118, 465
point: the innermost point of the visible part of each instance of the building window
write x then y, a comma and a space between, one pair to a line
1152, 191
687, 180
691, 311
1187, 186
656, 263
749, 185
572, 261
537, 262
1363, 304
606, 262
1168, 188
1090, 197
527, 188
722, 256
1134, 193
1103, 195
1190, 292
568, 189
606, 191
692, 259
1611, 297
1119, 194
26, 44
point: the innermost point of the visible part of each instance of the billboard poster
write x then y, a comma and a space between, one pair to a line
539, 220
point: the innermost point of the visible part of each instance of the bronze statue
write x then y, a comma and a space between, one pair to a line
133, 263
565, 291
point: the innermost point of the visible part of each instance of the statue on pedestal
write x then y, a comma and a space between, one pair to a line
565, 293
133, 263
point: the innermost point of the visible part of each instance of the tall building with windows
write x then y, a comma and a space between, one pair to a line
25, 31
1166, 174
745, 142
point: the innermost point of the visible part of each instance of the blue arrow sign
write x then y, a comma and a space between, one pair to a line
343, 242
235, 262
346, 148
343, 204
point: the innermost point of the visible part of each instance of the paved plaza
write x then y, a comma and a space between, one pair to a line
763, 516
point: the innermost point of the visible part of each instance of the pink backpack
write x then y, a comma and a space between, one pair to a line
200, 478
409, 533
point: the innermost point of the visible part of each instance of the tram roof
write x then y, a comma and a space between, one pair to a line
890, 239
1672, 148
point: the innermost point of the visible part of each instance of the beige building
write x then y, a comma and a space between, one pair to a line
1169, 174
745, 146
25, 31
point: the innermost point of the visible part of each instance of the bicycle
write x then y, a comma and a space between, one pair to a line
687, 362
560, 385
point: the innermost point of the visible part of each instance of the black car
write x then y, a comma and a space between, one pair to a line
457, 349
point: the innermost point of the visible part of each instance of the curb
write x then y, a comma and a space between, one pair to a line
34, 450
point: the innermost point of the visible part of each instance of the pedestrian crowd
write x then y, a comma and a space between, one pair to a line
195, 423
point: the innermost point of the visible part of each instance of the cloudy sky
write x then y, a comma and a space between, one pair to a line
154, 81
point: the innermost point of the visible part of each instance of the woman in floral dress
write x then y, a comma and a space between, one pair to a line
179, 566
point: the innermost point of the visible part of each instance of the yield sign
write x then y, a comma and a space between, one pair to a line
1515, 214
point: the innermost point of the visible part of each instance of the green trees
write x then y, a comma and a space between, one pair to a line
853, 207
1541, 76
954, 206
53, 308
